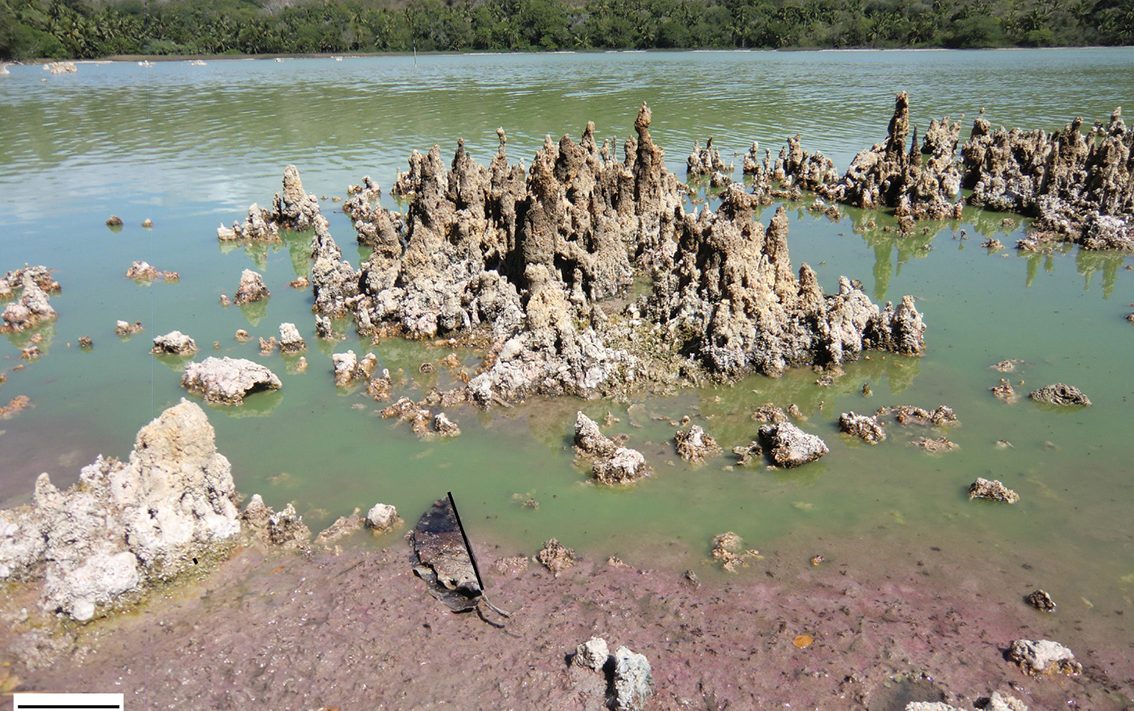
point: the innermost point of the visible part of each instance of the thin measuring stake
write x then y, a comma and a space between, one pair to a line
468, 546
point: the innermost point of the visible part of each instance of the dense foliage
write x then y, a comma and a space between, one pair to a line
96, 28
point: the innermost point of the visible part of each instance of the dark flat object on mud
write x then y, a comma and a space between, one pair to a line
442, 559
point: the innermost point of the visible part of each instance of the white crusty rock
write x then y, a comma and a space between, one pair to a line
174, 343
251, 288
1043, 656
382, 517
592, 654
348, 368
290, 340
633, 680
612, 464
227, 381
790, 446
32, 308
125, 525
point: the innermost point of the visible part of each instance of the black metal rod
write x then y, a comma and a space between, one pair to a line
468, 546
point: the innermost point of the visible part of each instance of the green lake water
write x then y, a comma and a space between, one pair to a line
191, 147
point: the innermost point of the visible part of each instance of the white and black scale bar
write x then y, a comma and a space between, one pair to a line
67, 702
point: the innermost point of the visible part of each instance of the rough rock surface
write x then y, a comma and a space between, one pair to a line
348, 368
704, 162
592, 654
256, 227
729, 297
919, 183
174, 343
555, 556
284, 528
1043, 656
32, 308
1004, 391
342, 527
865, 427
912, 415
290, 339
992, 490
728, 549
294, 208
1040, 600
789, 446
125, 525
227, 381
633, 680
125, 329
382, 517
1078, 187
251, 288
612, 464
694, 445
1061, 394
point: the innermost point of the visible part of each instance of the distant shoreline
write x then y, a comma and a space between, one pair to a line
126, 58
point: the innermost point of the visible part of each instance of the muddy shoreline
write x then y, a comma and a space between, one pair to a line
358, 630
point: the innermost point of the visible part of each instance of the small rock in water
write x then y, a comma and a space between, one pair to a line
1061, 394
935, 445
382, 517
790, 446
1040, 600
695, 445
114, 221
866, 428
290, 340
174, 343
251, 288
86, 342
728, 548
992, 490
147, 223
1005, 366
125, 329
1004, 391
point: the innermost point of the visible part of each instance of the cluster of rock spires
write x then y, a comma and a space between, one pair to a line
1079, 186
537, 263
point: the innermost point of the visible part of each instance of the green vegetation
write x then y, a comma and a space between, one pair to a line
97, 28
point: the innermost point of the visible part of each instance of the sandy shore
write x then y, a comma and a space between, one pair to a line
358, 630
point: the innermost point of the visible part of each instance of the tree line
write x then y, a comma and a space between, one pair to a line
100, 28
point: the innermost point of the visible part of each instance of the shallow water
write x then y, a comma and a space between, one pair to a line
191, 147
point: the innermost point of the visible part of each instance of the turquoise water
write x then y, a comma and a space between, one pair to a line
191, 147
